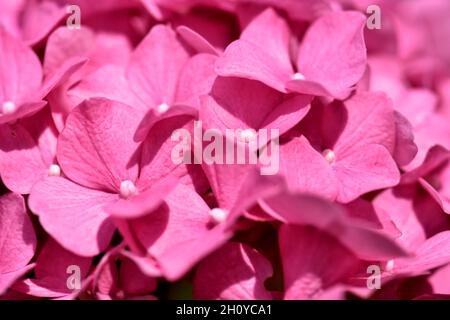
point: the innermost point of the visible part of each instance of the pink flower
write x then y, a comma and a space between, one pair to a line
23, 89
100, 177
346, 151
233, 149
324, 68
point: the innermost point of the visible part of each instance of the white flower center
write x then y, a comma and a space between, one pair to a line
298, 76
8, 107
218, 215
127, 189
247, 135
54, 170
329, 155
163, 107
390, 265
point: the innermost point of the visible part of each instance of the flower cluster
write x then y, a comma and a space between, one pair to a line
225, 149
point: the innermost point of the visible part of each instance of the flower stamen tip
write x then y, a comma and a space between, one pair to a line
298, 76
218, 215
162, 108
390, 265
54, 170
8, 107
127, 189
329, 156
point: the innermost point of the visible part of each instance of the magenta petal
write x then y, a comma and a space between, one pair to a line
234, 272
53, 261
436, 157
91, 152
152, 118
16, 234
226, 180
196, 79
21, 72
180, 259
307, 170
8, 279
405, 148
133, 281
338, 62
308, 87
366, 169
109, 82
61, 75
39, 18
25, 109
196, 41
331, 218
18, 240
258, 57
43, 288
255, 187
306, 253
370, 119
51, 272
21, 163
303, 209
268, 109
433, 253
65, 208
156, 160
144, 202
173, 224
147, 265
162, 56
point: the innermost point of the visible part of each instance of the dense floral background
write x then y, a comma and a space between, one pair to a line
355, 92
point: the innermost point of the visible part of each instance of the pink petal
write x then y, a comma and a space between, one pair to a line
39, 18
306, 253
156, 160
53, 261
255, 106
133, 281
8, 279
258, 57
161, 56
433, 253
339, 62
440, 280
173, 224
405, 148
21, 164
307, 170
144, 202
108, 82
61, 75
153, 117
366, 169
196, 79
370, 120
196, 41
91, 152
16, 234
51, 272
21, 70
234, 272
65, 208
331, 218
